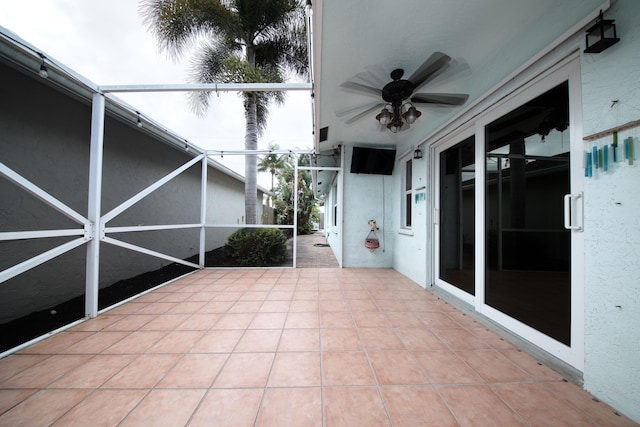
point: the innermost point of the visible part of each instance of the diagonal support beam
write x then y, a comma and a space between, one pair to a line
40, 194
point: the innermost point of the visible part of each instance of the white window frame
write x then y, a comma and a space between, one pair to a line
407, 194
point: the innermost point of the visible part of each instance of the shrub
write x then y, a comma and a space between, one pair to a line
257, 247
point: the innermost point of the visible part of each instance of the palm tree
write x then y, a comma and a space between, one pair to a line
239, 41
272, 162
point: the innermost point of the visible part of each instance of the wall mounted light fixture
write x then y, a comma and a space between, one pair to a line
417, 154
601, 36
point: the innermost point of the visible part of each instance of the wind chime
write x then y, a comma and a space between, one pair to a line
372, 242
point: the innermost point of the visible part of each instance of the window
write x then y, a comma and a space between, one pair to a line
407, 193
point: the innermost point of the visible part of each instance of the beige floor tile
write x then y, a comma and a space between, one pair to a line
199, 322
302, 320
598, 411
354, 406
300, 340
96, 343
380, 339
228, 408
165, 408
268, 321
417, 406
396, 367
144, 372
217, 341
94, 372
459, 339
94, 411
404, 320
291, 407
538, 406
248, 370
234, 321
56, 344
478, 405
16, 363
259, 341
295, 369
340, 339
370, 319
445, 367
275, 307
419, 339
42, 408
10, 398
194, 371
45, 372
531, 366
136, 342
346, 369
493, 367
245, 307
176, 342
436, 319
336, 320
166, 322
304, 306
132, 322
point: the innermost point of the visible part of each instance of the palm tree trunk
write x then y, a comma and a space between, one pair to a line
251, 161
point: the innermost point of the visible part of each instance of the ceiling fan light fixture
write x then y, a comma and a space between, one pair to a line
385, 117
411, 115
395, 126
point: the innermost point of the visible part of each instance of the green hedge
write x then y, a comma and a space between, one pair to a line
257, 247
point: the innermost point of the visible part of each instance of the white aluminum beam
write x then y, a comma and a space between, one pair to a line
12, 272
39, 234
248, 226
147, 251
295, 213
40, 194
208, 87
150, 189
94, 206
203, 211
134, 228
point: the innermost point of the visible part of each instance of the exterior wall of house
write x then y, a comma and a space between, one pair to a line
44, 136
412, 254
368, 197
611, 220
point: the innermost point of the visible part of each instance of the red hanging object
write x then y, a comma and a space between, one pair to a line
371, 242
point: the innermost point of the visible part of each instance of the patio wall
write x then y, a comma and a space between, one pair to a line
612, 224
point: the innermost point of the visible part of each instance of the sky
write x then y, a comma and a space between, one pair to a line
107, 42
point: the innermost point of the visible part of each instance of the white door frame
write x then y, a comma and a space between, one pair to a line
566, 70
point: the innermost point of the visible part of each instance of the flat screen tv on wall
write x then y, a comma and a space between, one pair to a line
377, 161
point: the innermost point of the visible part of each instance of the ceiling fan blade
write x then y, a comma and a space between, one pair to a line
440, 98
358, 109
378, 74
434, 65
359, 87
364, 113
368, 79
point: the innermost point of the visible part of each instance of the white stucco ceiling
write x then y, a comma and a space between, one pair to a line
488, 38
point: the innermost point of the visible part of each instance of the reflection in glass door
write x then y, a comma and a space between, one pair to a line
528, 250
457, 216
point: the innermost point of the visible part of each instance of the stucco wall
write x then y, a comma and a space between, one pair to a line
44, 136
612, 223
412, 255
368, 197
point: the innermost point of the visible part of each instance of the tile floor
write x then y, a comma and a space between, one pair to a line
283, 347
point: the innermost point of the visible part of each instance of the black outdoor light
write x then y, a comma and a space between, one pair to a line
601, 36
417, 154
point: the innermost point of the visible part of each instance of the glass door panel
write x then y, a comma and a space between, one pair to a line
457, 216
528, 250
